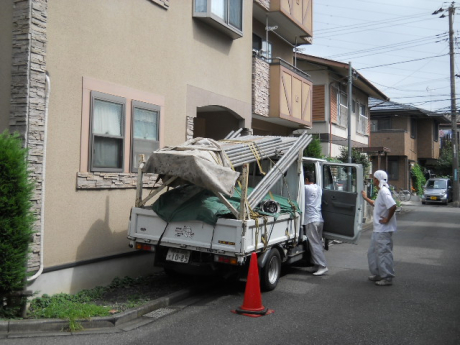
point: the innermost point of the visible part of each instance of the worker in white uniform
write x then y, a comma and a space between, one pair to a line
313, 224
380, 253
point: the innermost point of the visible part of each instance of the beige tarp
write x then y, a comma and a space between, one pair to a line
200, 161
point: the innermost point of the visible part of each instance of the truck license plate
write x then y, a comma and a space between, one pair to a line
178, 255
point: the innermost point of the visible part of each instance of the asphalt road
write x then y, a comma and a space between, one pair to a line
342, 307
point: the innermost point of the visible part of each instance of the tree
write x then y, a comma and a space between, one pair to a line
356, 157
313, 149
444, 164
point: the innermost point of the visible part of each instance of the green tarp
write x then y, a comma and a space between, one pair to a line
190, 202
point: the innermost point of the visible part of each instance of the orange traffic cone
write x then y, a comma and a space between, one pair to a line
252, 304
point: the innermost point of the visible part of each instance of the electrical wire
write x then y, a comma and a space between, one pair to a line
390, 47
400, 62
366, 23
412, 64
350, 31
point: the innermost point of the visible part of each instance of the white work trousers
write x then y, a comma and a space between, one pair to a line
380, 255
314, 232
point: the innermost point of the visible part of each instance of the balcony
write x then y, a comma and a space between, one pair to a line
294, 19
282, 94
397, 140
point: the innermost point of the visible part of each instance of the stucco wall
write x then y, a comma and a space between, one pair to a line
137, 45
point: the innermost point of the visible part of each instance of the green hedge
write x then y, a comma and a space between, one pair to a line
16, 218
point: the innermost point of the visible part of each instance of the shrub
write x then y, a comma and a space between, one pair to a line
418, 178
16, 218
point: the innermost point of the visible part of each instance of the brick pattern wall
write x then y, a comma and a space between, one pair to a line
426, 146
319, 101
260, 86
395, 140
28, 97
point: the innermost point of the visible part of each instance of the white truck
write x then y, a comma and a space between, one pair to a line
240, 195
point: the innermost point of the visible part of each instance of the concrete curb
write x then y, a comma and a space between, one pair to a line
41, 327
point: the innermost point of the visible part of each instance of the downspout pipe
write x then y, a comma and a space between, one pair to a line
42, 209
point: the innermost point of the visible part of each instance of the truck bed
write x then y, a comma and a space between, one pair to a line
230, 237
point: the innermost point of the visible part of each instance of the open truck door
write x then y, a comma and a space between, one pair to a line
342, 203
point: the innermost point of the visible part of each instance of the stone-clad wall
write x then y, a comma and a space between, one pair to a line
162, 3
190, 128
260, 86
99, 180
28, 96
264, 3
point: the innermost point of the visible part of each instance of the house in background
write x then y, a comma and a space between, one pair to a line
412, 136
330, 103
90, 85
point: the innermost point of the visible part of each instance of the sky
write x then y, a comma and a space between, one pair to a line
379, 37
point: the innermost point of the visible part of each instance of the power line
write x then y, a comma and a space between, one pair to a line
386, 4
359, 29
413, 72
368, 23
391, 87
390, 47
420, 56
400, 62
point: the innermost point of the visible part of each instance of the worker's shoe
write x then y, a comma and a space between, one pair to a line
374, 278
311, 269
321, 271
384, 282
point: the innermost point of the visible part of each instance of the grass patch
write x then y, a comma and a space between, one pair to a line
68, 307
83, 305
120, 295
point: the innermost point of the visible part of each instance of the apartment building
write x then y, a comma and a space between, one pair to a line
89, 85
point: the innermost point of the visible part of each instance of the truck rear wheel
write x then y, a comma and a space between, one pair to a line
270, 273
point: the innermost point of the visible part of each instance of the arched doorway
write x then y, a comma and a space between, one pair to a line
215, 122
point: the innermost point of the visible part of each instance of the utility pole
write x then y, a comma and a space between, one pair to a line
453, 104
350, 105
453, 109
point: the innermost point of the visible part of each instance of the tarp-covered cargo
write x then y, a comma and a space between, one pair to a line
188, 202
199, 161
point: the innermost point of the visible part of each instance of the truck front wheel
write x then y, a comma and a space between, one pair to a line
270, 273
